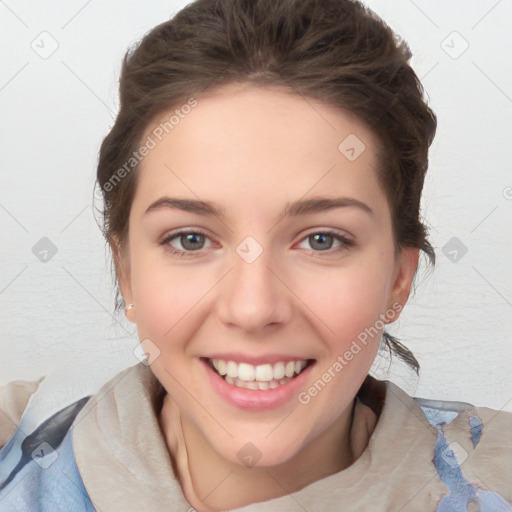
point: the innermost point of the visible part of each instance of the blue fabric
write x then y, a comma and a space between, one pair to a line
476, 429
52, 484
460, 491
48, 485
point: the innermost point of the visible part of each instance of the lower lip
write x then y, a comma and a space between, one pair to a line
256, 399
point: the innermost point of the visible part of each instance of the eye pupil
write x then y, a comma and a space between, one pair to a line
320, 238
194, 238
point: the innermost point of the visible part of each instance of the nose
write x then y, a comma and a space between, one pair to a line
254, 296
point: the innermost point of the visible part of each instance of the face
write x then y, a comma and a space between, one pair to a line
260, 247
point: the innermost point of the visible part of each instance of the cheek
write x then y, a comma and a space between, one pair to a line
164, 294
348, 304
348, 300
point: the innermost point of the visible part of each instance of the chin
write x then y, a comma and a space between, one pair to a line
259, 453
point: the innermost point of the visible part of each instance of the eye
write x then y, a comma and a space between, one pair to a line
186, 243
190, 241
322, 242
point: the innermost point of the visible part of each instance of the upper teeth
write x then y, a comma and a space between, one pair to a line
262, 372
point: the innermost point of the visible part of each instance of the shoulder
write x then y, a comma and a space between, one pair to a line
473, 452
14, 397
476, 426
49, 482
38, 469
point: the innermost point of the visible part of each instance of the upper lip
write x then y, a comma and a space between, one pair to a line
256, 360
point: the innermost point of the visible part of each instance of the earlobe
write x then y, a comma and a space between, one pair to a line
128, 311
406, 268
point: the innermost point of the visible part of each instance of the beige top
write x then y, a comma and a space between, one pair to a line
125, 464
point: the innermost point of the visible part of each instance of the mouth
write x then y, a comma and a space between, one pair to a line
258, 377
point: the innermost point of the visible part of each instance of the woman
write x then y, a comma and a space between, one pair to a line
262, 185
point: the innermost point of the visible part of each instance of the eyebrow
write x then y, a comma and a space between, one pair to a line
300, 207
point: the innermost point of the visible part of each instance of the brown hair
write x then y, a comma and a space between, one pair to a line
336, 51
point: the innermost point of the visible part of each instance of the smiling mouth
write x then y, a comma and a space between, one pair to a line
259, 377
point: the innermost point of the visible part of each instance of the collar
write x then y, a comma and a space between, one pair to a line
125, 464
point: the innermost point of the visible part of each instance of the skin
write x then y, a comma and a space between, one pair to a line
252, 150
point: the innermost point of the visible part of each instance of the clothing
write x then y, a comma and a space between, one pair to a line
421, 456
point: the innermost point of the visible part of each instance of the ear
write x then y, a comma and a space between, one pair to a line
406, 266
122, 268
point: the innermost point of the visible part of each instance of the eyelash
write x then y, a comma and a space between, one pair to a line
346, 243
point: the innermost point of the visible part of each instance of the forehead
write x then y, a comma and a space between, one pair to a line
271, 143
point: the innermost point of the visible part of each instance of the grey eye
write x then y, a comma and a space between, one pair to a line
321, 241
192, 241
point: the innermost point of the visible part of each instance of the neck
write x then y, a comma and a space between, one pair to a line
220, 484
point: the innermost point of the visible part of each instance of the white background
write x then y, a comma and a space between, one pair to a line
58, 316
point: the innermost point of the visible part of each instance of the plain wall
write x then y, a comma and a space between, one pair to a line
55, 110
